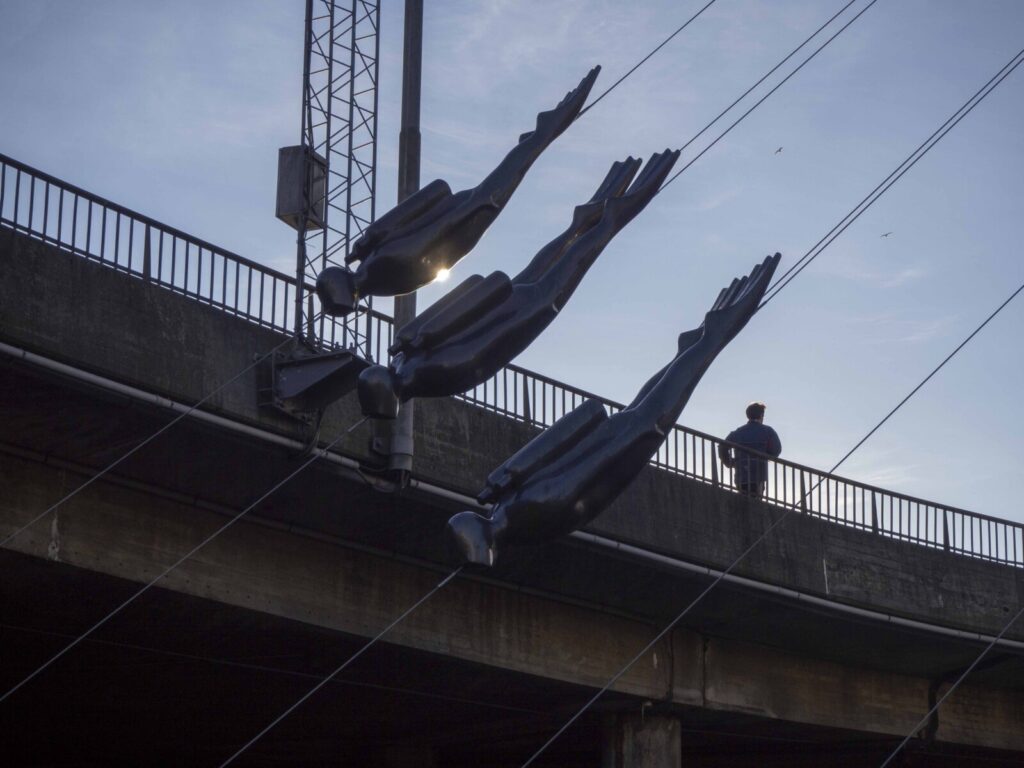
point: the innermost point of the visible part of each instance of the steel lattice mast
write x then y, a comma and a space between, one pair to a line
339, 142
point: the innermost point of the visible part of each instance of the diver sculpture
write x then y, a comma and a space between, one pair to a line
569, 474
432, 229
480, 326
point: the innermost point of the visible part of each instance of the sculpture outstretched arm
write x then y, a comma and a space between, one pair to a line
553, 442
735, 305
584, 216
686, 340
618, 210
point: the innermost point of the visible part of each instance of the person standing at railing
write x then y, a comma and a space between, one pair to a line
750, 470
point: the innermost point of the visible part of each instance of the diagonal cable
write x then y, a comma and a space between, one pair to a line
953, 687
785, 515
643, 61
766, 75
783, 280
343, 666
316, 455
776, 87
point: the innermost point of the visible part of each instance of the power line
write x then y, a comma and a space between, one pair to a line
342, 667
316, 455
642, 61
778, 85
767, 531
953, 687
764, 77
923, 149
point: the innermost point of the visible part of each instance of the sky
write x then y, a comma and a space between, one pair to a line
176, 110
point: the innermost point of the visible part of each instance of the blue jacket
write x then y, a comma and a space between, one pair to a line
749, 468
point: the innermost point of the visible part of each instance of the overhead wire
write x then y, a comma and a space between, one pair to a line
145, 588
952, 688
788, 512
765, 76
783, 280
642, 61
776, 87
343, 666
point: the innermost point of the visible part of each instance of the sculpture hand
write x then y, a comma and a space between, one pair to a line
737, 303
551, 123
643, 189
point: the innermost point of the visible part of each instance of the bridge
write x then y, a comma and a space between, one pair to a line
824, 647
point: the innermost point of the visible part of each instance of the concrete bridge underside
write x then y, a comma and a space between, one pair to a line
495, 662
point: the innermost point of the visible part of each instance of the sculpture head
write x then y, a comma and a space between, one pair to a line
337, 290
377, 396
473, 538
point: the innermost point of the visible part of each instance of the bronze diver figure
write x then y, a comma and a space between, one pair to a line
573, 471
480, 326
433, 228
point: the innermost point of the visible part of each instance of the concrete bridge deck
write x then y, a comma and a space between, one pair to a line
826, 649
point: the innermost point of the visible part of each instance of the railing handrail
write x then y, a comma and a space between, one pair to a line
384, 321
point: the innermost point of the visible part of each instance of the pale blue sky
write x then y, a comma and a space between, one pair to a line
177, 110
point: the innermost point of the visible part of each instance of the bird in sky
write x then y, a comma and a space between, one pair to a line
778, 150
887, 234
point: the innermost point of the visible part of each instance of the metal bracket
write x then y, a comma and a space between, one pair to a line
305, 381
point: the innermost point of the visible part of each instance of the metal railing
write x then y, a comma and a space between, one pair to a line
55, 212
77, 221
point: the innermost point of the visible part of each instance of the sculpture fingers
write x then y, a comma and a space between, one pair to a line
550, 124
617, 179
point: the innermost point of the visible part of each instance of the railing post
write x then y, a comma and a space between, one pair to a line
527, 415
945, 529
714, 466
874, 513
803, 494
147, 262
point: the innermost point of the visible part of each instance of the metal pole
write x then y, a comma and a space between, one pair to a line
408, 182
300, 240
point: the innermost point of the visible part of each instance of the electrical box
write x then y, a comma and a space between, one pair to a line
301, 187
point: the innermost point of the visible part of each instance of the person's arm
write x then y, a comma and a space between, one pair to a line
725, 451
774, 444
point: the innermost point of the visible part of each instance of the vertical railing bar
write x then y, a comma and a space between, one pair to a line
60, 213
187, 259
117, 236
31, 201
46, 210
17, 195
103, 233
131, 242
